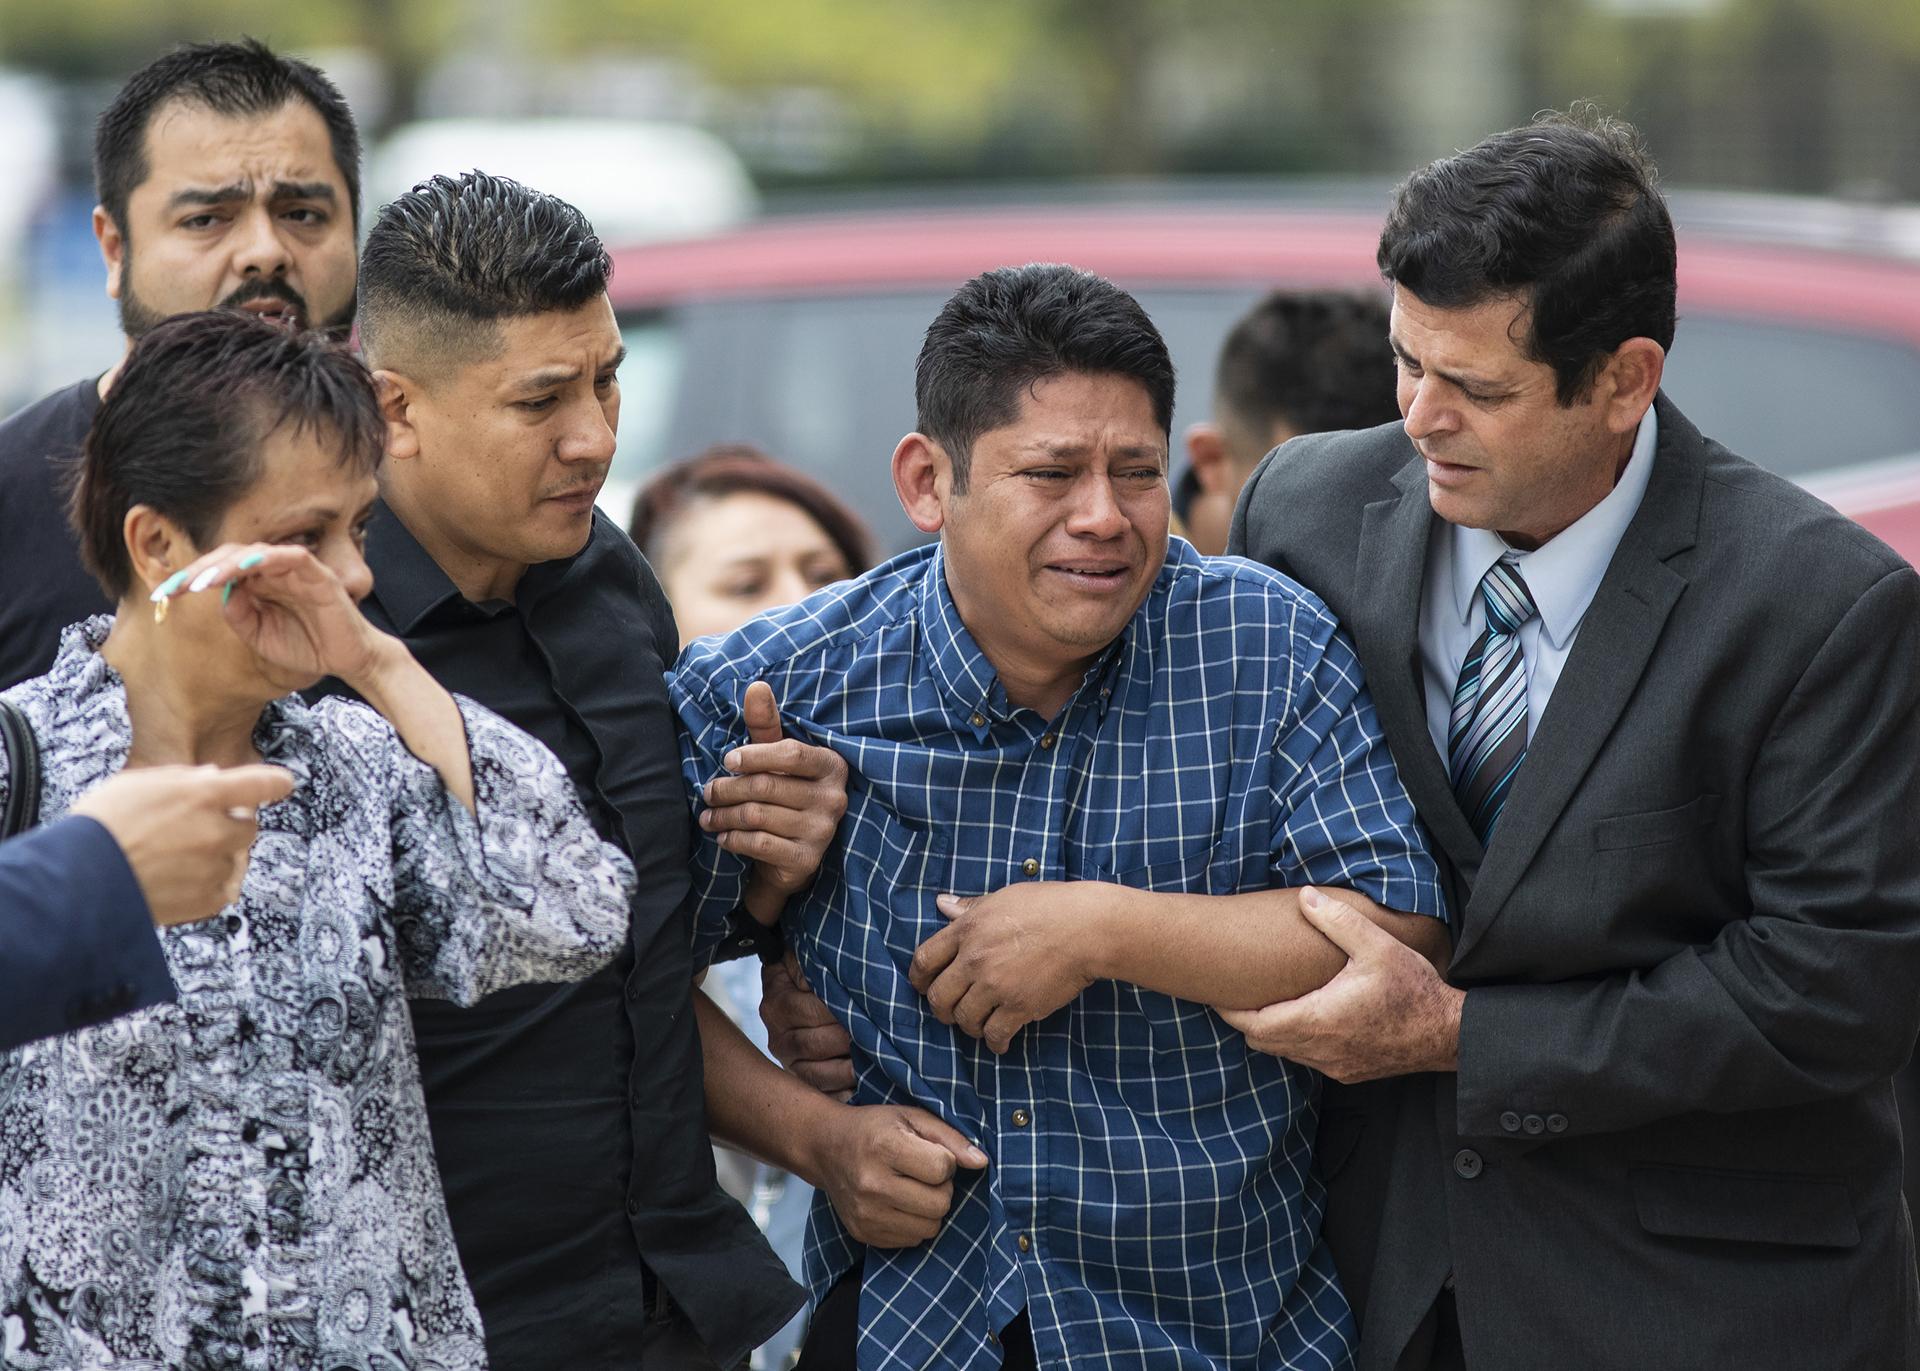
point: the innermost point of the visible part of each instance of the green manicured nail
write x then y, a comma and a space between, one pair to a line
226, 592
252, 560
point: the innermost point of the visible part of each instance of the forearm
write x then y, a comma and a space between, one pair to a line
755, 1106
422, 713
1231, 951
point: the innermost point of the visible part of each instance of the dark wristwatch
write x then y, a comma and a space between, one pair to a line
746, 936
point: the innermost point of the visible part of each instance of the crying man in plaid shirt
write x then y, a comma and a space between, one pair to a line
1092, 776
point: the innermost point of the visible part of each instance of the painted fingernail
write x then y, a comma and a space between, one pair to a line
252, 560
226, 592
203, 580
168, 586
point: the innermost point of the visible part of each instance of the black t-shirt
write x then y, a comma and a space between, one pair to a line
43, 587
569, 1120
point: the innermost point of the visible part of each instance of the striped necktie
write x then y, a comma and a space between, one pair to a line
1487, 736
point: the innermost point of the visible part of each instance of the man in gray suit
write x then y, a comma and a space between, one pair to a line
1660, 712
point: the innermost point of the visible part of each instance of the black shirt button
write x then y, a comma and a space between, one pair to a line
633, 1206
633, 991
1556, 1123
1510, 1121
233, 923
1534, 1124
1467, 1164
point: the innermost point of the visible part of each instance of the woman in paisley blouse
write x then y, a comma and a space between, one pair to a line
244, 1178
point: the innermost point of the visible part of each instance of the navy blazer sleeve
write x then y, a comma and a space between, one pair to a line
77, 943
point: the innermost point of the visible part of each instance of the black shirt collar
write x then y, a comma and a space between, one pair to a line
411, 586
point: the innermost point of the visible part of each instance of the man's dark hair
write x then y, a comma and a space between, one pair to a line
1564, 214
235, 79
1307, 360
1006, 329
457, 252
182, 428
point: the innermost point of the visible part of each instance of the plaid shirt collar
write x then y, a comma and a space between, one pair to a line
967, 680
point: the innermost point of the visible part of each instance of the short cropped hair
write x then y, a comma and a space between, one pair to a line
182, 427
1006, 329
1311, 361
235, 79
1565, 214
457, 254
742, 469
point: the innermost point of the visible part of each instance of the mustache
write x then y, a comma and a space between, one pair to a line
267, 288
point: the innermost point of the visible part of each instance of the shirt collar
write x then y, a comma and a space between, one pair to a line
961, 670
411, 586
406, 580
1563, 573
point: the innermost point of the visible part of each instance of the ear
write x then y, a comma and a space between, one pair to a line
398, 398
113, 249
156, 548
1207, 451
923, 479
1631, 378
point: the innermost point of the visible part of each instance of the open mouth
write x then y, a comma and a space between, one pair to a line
1092, 577
282, 312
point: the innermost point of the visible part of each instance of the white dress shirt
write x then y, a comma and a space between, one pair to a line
1563, 574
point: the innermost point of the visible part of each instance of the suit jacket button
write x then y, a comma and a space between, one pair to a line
1534, 1124
1467, 1164
1510, 1121
1556, 1123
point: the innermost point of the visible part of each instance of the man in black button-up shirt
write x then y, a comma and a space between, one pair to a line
568, 1121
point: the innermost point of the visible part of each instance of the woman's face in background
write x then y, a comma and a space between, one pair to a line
727, 558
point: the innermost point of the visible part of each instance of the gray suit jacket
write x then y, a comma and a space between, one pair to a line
1692, 952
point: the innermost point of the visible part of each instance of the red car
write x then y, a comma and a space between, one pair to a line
800, 333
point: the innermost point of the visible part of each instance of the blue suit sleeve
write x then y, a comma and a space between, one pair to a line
77, 943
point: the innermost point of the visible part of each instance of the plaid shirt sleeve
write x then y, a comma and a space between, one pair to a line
1341, 816
709, 726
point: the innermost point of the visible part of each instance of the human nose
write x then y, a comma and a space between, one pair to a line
350, 565
1425, 408
789, 587
259, 250
590, 437
1096, 512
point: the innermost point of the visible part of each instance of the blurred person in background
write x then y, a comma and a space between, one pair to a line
731, 533
83, 899
1300, 361
569, 1120
245, 1177
1659, 709
227, 177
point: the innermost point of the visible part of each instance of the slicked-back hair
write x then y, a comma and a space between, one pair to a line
1564, 214
1308, 360
1006, 329
233, 79
182, 428
460, 251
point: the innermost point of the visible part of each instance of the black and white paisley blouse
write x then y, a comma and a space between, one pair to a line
244, 1178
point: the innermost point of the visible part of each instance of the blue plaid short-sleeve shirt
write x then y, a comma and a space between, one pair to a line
1153, 1204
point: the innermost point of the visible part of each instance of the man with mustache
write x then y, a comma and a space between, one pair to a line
228, 176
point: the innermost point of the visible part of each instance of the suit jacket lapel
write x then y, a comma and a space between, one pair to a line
1386, 612
1616, 641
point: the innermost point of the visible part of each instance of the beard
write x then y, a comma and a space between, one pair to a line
138, 318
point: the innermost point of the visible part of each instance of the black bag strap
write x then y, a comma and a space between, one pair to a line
23, 772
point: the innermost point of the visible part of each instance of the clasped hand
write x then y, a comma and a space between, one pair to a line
1011, 958
778, 805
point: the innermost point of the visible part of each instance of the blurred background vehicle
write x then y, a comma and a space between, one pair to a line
1800, 350
673, 180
